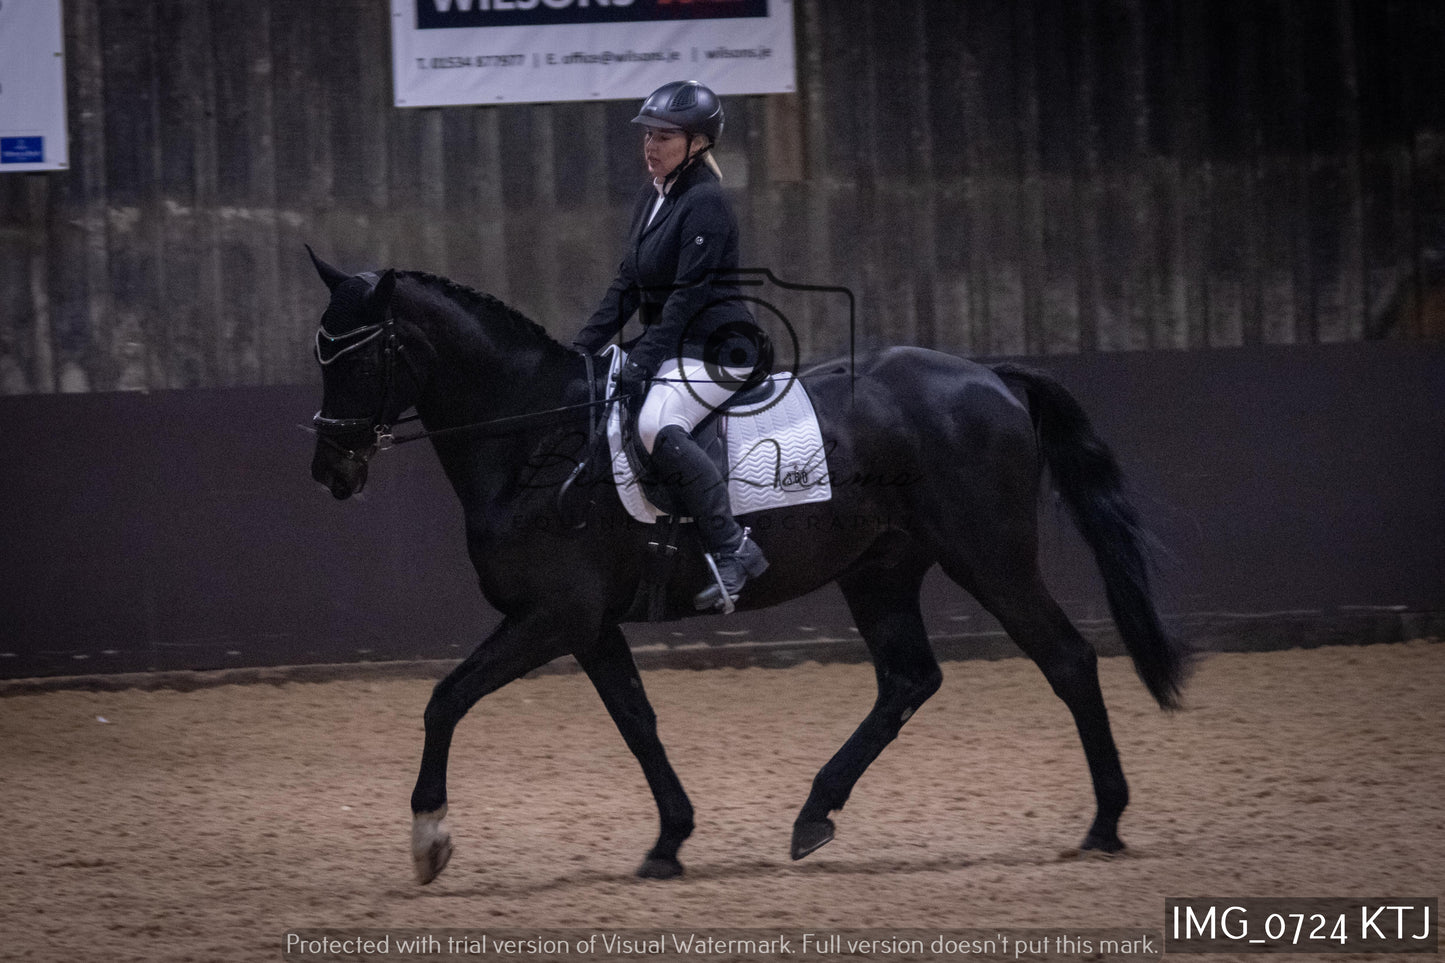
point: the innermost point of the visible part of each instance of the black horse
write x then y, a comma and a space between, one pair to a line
933, 460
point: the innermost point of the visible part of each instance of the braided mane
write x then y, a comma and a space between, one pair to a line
477, 302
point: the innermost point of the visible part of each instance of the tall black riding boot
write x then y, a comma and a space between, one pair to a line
689, 473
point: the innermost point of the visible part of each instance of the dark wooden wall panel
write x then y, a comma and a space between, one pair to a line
988, 176
1321, 522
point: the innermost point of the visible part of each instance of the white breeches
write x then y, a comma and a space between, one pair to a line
683, 394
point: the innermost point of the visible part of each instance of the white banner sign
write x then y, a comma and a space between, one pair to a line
32, 87
534, 51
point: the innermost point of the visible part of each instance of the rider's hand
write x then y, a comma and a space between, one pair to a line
631, 381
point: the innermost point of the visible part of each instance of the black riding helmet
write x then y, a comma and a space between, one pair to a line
685, 105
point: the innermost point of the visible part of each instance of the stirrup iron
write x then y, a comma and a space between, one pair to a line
727, 599
745, 562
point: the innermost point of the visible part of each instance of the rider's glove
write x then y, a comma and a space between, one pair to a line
631, 381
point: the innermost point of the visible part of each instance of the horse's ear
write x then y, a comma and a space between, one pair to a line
380, 295
332, 276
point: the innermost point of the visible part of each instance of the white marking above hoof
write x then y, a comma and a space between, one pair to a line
431, 844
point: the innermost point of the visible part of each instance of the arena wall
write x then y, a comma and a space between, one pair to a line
1295, 491
1221, 223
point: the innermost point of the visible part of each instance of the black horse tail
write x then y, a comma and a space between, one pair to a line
1087, 477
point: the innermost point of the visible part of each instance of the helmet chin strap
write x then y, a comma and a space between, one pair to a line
687, 161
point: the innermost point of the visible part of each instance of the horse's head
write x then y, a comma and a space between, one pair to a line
368, 376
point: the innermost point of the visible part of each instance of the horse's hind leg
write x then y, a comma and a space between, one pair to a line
885, 607
1022, 604
610, 667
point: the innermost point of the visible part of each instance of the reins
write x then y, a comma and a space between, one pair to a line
391, 351
386, 439
507, 422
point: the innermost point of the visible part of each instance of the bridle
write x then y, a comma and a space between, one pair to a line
392, 351
388, 415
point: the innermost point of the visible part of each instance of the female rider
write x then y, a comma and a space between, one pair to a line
699, 341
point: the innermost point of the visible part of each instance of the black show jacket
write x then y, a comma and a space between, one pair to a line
670, 275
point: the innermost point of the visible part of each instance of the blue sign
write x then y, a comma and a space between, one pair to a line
22, 150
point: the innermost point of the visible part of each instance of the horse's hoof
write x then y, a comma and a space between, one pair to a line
659, 867
811, 836
431, 845
1098, 842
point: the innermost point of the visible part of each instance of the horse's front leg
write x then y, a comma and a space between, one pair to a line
610, 667
516, 647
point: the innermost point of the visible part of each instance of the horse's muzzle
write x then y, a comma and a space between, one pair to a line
342, 475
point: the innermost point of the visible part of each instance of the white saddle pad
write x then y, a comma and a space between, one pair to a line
775, 451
